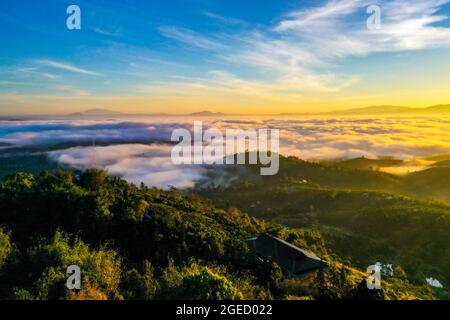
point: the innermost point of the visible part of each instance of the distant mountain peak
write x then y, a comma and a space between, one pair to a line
206, 113
96, 112
379, 109
387, 109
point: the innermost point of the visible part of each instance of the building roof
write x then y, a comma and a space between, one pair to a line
291, 258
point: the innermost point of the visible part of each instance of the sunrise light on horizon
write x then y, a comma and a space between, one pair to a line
283, 57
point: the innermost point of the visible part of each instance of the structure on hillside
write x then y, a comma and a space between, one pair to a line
291, 259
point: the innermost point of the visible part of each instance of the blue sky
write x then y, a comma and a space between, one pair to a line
221, 55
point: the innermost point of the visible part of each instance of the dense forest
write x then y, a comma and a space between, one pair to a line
363, 216
135, 242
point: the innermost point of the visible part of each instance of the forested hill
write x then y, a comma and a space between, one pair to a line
140, 243
357, 222
430, 184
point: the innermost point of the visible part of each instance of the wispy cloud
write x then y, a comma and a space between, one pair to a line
302, 52
224, 20
35, 71
72, 90
190, 37
66, 67
220, 83
336, 29
106, 32
325, 15
307, 52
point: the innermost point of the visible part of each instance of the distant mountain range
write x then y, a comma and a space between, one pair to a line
376, 110
100, 113
208, 114
396, 110
94, 113
379, 110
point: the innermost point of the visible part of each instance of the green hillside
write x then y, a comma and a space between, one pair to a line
140, 243
368, 164
359, 225
443, 163
430, 184
32, 163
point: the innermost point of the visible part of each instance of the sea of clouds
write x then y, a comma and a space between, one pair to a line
140, 150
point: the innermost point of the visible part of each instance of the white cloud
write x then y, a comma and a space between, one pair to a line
329, 138
66, 67
140, 152
30, 133
35, 71
107, 33
72, 90
338, 28
301, 52
289, 66
307, 137
150, 164
320, 17
224, 20
191, 38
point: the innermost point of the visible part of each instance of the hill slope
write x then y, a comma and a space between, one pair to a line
141, 243
358, 223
